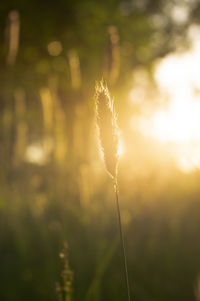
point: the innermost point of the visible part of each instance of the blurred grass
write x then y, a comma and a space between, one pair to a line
53, 186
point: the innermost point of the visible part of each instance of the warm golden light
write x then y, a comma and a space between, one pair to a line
178, 123
35, 154
121, 148
54, 48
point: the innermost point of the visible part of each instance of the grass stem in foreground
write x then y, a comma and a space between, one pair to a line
122, 239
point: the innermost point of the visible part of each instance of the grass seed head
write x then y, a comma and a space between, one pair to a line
107, 127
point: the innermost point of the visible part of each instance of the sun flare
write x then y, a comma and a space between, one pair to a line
178, 123
121, 148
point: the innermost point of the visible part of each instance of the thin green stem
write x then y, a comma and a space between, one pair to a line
122, 239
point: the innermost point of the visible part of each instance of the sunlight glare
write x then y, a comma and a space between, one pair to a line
121, 148
178, 77
35, 154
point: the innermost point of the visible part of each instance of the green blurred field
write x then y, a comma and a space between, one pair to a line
54, 187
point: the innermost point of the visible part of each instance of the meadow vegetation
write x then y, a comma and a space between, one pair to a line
54, 187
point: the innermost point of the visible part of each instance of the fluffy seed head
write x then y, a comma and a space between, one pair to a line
107, 126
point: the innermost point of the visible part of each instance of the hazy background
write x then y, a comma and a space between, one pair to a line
54, 186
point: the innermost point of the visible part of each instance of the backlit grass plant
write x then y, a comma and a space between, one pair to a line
109, 145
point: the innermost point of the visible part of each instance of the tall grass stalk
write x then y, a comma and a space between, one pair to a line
122, 238
64, 287
109, 144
